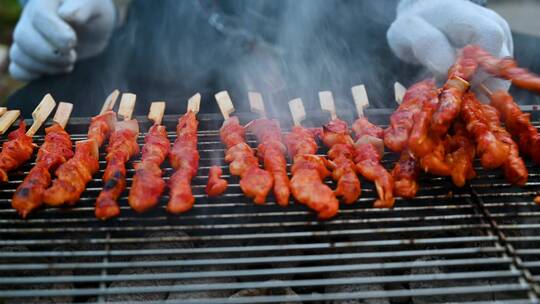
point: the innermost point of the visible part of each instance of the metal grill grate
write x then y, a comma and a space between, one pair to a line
446, 245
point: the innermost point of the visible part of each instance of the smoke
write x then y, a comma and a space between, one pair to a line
285, 49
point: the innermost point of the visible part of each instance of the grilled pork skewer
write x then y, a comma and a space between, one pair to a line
271, 149
396, 136
55, 151
19, 147
122, 146
514, 167
73, 175
425, 145
309, 170
517, 123
102, 125
216, 185
148, 185
407, 168
335, 135
461, 155
184, 158
255, 182
450, 99
493, 153
369, 150
506, 68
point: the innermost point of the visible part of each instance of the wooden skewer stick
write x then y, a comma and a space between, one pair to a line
63, 112
8, 119
40, 114
127, 104
2, 110
486, 90
360, 97
327, 103
225, 104
256, 103
194, 103
297, 111
110, 101
157, 109
399, 92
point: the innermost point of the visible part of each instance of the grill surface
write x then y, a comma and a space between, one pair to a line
476, 244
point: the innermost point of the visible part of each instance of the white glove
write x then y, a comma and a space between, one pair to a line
52, 34
428, 32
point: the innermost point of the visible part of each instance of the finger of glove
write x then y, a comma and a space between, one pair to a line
32, 65
55, 30
463, 27
509, 41
20, 73
414, 40
35, 45
77, 12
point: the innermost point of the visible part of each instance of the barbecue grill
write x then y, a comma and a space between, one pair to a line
476, 244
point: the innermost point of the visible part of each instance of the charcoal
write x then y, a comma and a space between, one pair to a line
206, 294
356, 287
37, 286
147, 270
443, 284
279, 253
259, 292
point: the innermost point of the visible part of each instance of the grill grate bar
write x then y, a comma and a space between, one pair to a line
246, 260
324, 282
283, 299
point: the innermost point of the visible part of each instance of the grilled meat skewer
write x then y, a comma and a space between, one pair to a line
148, 185
55, 151
184, 158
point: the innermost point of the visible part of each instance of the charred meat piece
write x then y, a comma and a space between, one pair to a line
122, 146
16, 151
148, 185
55, 151
255, 182
184, 158
216, 185
308, 172
272, 152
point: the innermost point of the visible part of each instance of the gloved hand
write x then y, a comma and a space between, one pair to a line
429, 32
52, 34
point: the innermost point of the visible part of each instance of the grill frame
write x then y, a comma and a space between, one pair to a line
299, 245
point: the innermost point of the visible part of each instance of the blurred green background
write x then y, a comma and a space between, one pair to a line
9, 14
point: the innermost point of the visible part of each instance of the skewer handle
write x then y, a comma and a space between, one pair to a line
225, 104
399, 92
127, 104
297, 111
360, 97
8, 119
63, 112
194, 103
256, 103
327, 103
157, 109
2, 110
40, 114
110, 101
